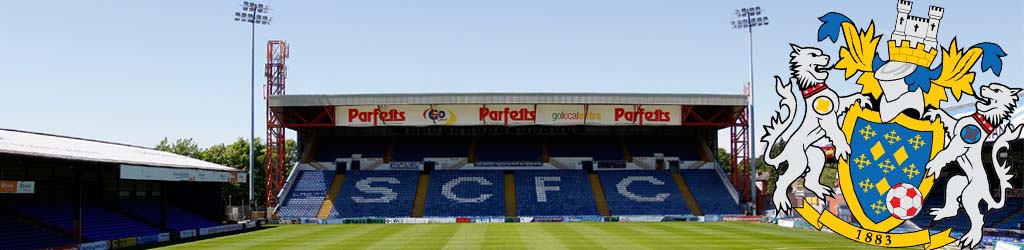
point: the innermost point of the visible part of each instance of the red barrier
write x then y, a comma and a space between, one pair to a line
462, 220
68, 247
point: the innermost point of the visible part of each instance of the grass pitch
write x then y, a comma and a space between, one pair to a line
632, 235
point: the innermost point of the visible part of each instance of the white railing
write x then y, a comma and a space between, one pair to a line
728, 184
283, 193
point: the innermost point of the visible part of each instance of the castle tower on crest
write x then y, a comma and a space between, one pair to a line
915, 39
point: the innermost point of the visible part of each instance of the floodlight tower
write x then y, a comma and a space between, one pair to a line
252, 13
276, 73
748, 18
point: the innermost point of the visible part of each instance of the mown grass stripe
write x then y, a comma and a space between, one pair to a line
643, 236
399, 239
435, 236
373, 236
535, 237
633, 235
569, 238
315, 239
361, 239
769, 235
252, 239
469, 236
616, 240
498, 236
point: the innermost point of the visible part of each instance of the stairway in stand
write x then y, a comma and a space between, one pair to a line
687, 195
328, 205
510, 194
602, 204
421, 195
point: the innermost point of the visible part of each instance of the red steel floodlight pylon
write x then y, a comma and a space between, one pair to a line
276, 73
739, 143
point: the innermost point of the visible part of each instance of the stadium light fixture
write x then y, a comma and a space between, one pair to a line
748, 18
253, 13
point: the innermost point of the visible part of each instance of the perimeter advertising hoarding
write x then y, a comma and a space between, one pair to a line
99, 245
221, 229
566, 115
450, 115
507, 115
123, 243
17, 187
636, 115
133, 172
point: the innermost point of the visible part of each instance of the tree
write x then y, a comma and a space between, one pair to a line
186, 147
724, 159
235, 155
828, 174
773, 172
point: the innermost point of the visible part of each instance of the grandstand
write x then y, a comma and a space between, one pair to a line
59, 192
1009, 217
538, 156
464, 193
382, 193
554, 193
507, 155
641, 192
307, 195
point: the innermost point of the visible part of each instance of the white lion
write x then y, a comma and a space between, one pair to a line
995, 104
823, 111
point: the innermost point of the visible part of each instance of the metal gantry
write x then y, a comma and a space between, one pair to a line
276, 155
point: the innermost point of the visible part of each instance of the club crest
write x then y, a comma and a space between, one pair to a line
883, 155
892, 138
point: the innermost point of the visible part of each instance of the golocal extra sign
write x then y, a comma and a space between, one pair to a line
609, 115
567, 115
507, 115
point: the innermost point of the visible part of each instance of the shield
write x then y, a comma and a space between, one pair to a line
883, 154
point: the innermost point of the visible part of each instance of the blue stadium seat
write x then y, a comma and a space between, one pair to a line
330, 148
415, 149
1006, 218
98, 223
465, 193
936, 199
17, 235
1015, 220
601, 149
509, 150
642, 192
710, 192
307, 194
554, 193
376, 193
177, 219
681, 147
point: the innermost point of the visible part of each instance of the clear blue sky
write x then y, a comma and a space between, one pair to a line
139, 71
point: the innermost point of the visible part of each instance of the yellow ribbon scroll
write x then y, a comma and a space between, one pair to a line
870, 237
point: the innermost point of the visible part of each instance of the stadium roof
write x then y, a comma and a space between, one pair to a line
23, 143
507, 98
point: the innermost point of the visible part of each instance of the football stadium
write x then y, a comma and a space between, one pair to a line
558, 170
429, 171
